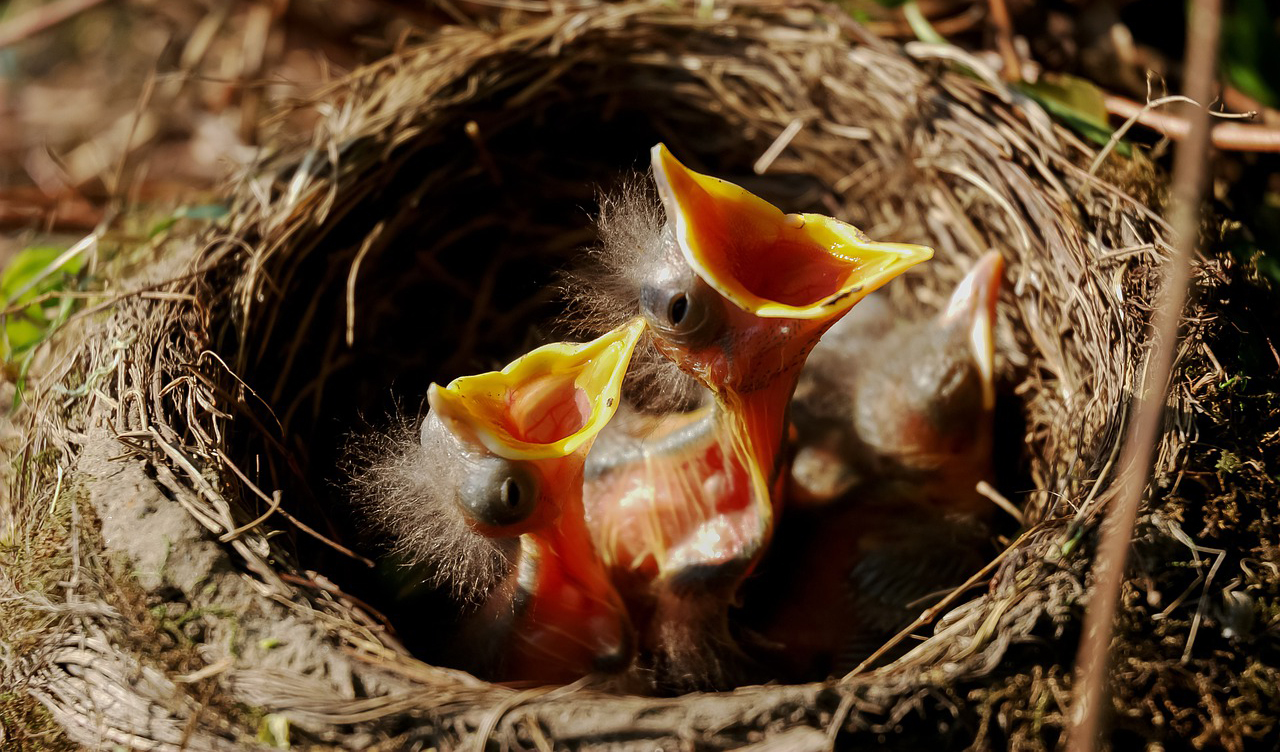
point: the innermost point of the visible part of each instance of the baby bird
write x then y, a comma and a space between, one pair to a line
893, 424
893, 401
736, 294
490, 497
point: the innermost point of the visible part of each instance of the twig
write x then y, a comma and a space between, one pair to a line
491, 720
139, 110
91, 294
929, 614
1120, 132
779, 144
1090, 696
1004, 39
369, 240
536, 733
472, 129
947, 27
1226, 136
838, 718
275, 507
40, 18
997, 498
271, 509
20, 209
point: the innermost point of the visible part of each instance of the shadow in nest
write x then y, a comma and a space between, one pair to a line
449, 262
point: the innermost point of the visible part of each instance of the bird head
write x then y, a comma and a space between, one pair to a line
927, 404
757, 287
516, 441
743, 291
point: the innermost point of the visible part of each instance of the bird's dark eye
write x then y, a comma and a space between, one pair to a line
510, 493
687, 314
678, 309
499, 493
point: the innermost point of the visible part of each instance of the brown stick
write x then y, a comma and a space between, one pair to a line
1090, 698
1004, 39
26, 207
43, 17
950, 26
1226, 136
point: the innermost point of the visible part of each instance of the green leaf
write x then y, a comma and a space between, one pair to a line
205, 212
1250, 55
202, 213
34, 272
920, 25
29, 263
1077, 103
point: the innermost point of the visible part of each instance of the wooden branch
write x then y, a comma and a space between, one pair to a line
1004, 39
1091, 698
1225, 136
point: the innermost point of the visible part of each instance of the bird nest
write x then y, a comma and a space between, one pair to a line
228, 591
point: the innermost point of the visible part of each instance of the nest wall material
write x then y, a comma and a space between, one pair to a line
446, 184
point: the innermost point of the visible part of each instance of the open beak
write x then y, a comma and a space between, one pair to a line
548, 404
788, 277
770, 264
973, 307
684, 503
545, 410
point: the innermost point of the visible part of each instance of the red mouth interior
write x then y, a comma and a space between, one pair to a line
767, 255
546, 410
689, 506
789, 272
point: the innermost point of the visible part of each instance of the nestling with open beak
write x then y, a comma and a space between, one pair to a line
736, 294
490, 497
894, 422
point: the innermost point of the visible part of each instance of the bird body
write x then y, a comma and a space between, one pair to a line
671, 509
888, 400
839, 581
893, 423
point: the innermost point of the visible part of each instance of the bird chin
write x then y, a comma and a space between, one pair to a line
568, 621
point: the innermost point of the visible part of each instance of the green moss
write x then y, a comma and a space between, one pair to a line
28, 726
36, 561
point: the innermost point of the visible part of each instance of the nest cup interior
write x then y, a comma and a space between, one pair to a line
463, 279
456, 240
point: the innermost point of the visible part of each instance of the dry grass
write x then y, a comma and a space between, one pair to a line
446, 184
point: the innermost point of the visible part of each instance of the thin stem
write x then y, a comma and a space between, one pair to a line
1090, 698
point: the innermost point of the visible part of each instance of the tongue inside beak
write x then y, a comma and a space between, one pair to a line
770, 264
973, 308
547, 404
